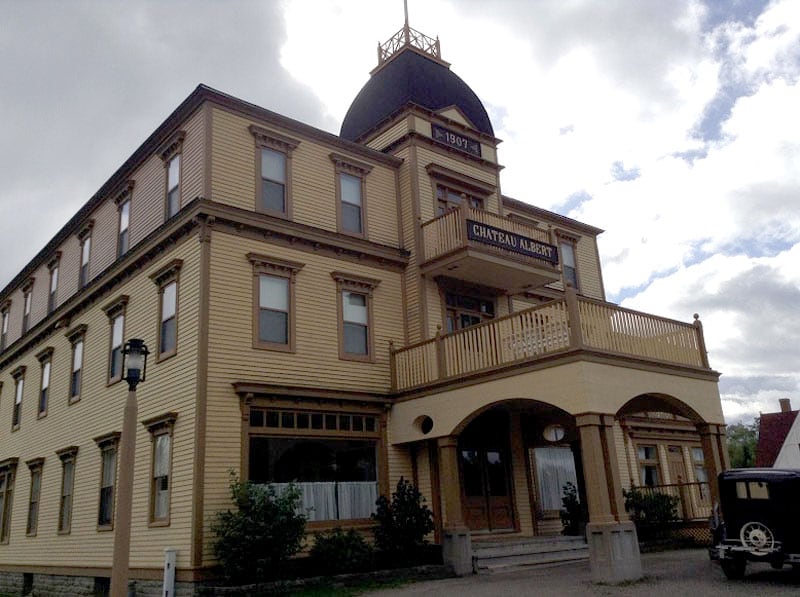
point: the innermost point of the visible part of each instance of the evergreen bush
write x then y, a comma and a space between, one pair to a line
339, 551
402, 523
263, 531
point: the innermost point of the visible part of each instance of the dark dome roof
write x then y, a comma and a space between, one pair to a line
411, 77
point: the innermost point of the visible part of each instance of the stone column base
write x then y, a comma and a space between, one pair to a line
613, 552
457, 550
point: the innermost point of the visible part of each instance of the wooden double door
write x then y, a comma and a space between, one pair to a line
485, 470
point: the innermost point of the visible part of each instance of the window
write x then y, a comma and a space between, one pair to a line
116, 318
45, 358
568, 268
161, 429
108, 445
167, 280
698, 460
67, 456
123, 239
85, 237
648, 465
52, 295
355, 316
173, 186
28, 300
448, 199
463, 310
19, 389
171, 154
5, 314
331, 457
8, 468
76, 337
273, 326
274, 180
350, 194
35, 466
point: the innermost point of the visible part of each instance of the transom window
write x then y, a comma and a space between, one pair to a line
320, 421
464, 310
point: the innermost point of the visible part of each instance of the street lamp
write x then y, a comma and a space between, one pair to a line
134, 365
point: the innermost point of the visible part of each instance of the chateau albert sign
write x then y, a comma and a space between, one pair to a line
489, 235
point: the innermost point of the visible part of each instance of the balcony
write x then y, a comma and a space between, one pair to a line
481, 247
571, 323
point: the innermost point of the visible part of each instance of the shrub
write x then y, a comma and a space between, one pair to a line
572, 518
651, 508
339, 551
264, 531
403, 522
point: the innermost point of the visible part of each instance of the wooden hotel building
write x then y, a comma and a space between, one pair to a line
339, 311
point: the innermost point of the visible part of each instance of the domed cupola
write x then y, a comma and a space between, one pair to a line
410, 71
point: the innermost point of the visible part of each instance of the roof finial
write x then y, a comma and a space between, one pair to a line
405, 9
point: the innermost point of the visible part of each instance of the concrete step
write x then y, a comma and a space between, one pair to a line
513, 554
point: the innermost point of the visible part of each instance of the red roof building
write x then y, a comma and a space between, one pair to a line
772, 432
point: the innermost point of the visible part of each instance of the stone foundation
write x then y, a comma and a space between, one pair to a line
53, 585
613, 552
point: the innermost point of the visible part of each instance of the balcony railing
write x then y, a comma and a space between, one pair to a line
694, 499
570, 323
449, 232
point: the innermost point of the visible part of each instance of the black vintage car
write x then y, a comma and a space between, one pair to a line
760, 519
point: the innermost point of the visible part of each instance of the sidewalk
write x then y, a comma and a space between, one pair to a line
684, 573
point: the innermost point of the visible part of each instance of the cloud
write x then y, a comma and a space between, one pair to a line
91, 80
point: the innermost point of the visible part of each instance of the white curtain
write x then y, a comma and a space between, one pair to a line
555, 467
357, 499
330, 500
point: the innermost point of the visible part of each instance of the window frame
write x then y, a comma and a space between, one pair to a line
45, 358
270, 140
19, 394
169, 151
343, 165
264, 265
649, 462
116, 311
107, 443
8, 470
5, 319
36, 468
570, 241
52, 293
362, 285
163, 277
68, 456
85, 238
76, 336
460, 183
123, 200
27, 304
157, 427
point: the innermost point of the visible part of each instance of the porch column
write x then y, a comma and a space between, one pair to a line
613, 544
456, 545
715, 455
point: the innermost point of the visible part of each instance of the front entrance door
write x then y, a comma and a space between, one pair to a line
485, 479
677, 468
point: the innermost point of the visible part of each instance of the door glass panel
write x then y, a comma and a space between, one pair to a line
471, 468
496, 473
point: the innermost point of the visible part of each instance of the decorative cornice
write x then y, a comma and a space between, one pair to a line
171, 146
125, 193
272, 139
167, 273
164, 421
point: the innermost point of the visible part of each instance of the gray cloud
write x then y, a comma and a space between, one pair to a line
91, 80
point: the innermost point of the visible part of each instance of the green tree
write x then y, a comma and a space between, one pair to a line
742, 440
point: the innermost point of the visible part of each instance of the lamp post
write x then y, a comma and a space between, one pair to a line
134, 365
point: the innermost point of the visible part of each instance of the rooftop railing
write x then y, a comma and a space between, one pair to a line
412, 38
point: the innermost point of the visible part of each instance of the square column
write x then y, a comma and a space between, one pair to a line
715, 455
456, 542
613, 544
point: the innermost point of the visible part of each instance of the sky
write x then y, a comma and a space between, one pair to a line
671, 125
